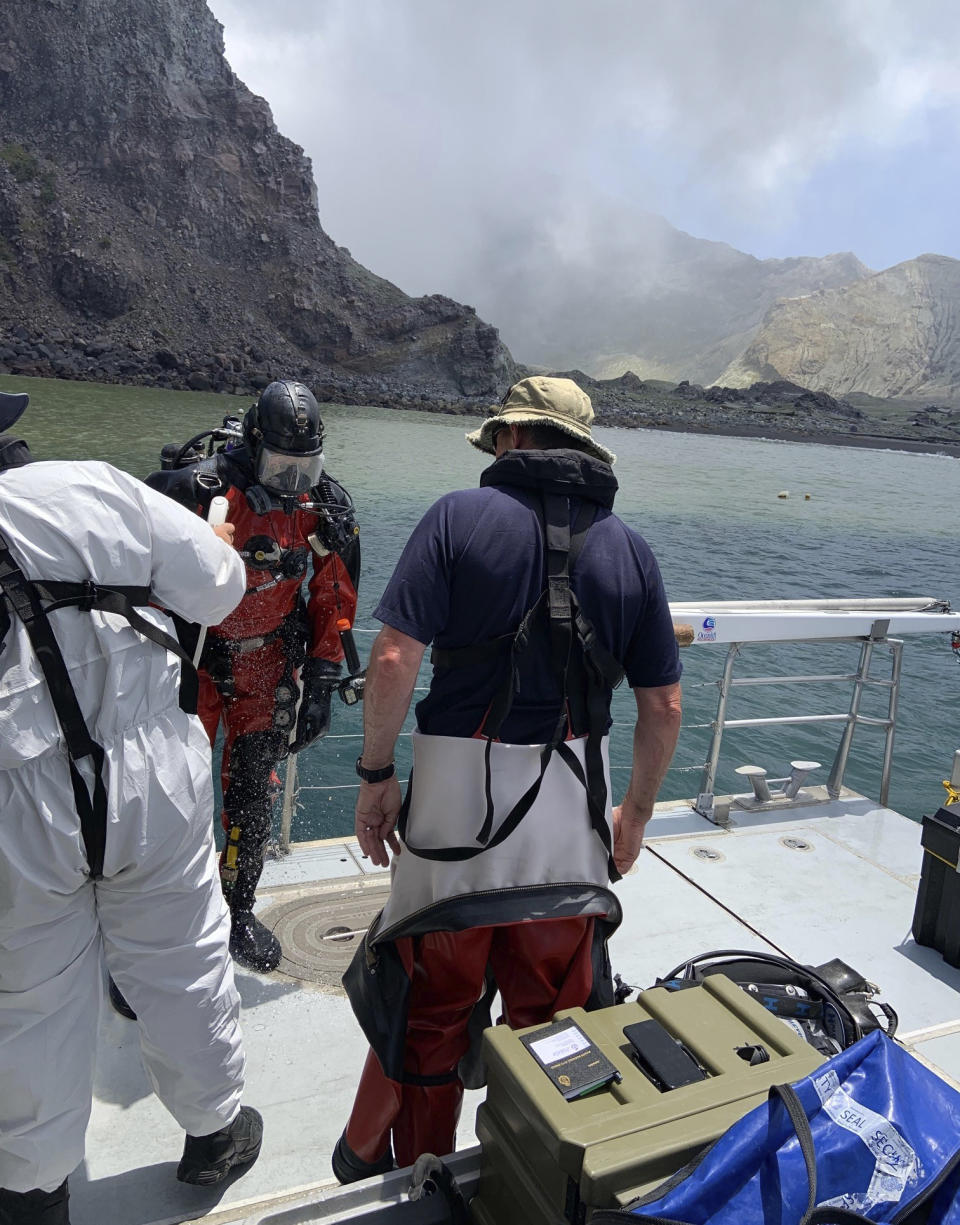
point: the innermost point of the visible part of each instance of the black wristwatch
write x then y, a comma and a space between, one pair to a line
375, 776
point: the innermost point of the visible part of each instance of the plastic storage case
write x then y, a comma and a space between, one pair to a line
936, 919
548, 1161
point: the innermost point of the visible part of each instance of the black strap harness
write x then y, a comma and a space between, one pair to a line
584, 667
32, 602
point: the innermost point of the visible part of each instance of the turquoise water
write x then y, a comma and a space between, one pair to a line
878, 523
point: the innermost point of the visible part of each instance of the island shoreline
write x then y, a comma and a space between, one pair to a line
870, 442
727, 429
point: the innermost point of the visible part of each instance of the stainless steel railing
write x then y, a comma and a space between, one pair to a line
850, 719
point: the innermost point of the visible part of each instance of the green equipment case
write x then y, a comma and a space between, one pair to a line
550, 1161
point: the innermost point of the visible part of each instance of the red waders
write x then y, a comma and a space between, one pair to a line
540, 966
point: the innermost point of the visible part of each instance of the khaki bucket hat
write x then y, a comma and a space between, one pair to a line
547, 401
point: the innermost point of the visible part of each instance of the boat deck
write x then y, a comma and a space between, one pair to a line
816, 881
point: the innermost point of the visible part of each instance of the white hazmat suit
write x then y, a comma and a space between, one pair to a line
157, 914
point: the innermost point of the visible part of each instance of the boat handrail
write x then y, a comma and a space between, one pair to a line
738, 624
871, 604
851, 719
706, 622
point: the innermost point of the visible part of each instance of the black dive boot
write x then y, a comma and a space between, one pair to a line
35, 1207
348, 1167
252, 944
119, 1002
207, 1160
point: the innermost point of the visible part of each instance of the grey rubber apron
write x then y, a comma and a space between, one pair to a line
554, 843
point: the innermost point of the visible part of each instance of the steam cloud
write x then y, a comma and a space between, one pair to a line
447, 137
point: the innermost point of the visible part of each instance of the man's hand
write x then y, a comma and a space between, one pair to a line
391, 675
378, 806
654, 739
319, 679
627, 838
225, 531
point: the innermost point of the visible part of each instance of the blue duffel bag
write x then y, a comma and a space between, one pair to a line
872, 1135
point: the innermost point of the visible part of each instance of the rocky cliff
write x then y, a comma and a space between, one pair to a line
155, 226
896, 333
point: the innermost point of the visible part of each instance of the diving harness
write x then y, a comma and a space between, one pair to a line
32, 601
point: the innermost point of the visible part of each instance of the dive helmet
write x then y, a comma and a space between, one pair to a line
14, 452
284, 432
11, 409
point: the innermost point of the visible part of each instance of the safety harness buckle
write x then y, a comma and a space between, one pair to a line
559, 589
91, 593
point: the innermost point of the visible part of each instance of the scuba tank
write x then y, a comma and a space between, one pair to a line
176, 455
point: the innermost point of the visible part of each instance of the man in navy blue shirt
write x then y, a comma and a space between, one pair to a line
537, 599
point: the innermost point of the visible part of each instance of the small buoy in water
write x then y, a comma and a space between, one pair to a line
806, 497
784, 493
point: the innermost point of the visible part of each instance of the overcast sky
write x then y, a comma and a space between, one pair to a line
443, 131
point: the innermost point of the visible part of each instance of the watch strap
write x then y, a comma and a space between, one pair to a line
375, 776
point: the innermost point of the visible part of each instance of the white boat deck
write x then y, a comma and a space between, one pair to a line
830, 879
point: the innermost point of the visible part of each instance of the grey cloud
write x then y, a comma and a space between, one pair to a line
445, 134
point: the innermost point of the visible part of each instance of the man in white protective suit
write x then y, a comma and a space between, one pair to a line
106, 844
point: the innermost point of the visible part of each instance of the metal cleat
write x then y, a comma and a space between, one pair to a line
758, 781
799, 771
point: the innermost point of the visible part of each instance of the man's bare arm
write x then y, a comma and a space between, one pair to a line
391, 675
654, 740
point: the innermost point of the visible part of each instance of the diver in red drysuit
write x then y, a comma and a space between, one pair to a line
252, 661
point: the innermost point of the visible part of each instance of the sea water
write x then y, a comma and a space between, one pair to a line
876, 523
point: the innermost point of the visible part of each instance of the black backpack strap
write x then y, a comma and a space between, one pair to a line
92, 811
508, 648
88, 596
33, 602
601, 672
56, 594
593, 780
556, 542
593, 672
444, 658
587, 673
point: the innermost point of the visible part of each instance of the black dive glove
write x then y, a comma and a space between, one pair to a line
319, 679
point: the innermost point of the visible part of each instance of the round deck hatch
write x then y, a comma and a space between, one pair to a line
793, 843
320, 934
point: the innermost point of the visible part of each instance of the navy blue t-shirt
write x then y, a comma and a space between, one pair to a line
471, 569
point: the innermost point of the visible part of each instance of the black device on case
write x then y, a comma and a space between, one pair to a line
661, 1057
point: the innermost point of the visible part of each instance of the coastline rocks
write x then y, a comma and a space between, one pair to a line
777, 409
772, 409
243, 373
